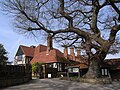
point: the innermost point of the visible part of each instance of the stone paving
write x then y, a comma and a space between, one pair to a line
56, 84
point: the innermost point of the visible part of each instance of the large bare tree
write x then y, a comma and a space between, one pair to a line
93, 24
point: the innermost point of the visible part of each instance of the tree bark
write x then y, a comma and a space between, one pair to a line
96, 62
94, 68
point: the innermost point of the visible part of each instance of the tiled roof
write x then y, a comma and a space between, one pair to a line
39, 48
53, 56
81, 59
28, 51
39, 54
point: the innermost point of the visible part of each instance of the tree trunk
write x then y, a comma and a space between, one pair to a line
95, 62
94, 68
94, 74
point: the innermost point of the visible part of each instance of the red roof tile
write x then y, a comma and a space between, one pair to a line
44, 57
28, 51
40, 48
40, 54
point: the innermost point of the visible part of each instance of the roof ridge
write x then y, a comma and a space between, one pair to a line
30, 50
25, 46
41, 45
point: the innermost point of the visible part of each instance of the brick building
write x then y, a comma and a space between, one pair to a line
53, 59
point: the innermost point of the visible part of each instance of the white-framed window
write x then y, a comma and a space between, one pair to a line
104, 71
20, 57
59, 67
54, 65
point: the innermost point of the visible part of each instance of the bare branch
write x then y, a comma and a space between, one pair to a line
64, 14
113, 33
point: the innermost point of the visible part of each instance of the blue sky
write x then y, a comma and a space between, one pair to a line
11, 40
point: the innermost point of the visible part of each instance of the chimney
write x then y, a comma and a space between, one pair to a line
72, 53
32, 46
49, 43
66, 52
37, 50
78, 52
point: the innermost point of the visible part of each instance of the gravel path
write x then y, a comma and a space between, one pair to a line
56, 84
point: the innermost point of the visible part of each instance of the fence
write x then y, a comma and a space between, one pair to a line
14, 74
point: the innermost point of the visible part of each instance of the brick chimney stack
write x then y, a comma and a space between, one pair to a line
78, 52
49, 43
72, 53
32, 46
37, 50
66, 52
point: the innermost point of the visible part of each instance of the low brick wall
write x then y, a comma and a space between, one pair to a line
14, 74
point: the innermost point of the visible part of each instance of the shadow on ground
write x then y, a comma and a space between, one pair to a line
56, 84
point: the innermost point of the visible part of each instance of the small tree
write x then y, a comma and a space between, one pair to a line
37, 69
3, 57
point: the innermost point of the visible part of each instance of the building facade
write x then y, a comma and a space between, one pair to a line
24, 55
54, 60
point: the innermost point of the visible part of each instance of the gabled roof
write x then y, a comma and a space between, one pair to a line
53, 56
40, 54
28, 51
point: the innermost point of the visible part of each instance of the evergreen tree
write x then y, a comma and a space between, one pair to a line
3, 57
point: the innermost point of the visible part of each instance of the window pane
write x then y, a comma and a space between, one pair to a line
20, 57
54, 65
102, 71
106, 72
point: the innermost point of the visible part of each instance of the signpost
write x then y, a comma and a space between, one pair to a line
72, 70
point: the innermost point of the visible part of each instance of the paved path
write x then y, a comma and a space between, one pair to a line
56, 84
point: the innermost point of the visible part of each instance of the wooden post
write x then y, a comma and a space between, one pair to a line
79, 73
68, 75
43, 71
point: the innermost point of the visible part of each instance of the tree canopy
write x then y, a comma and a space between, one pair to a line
3, 57
90, 24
